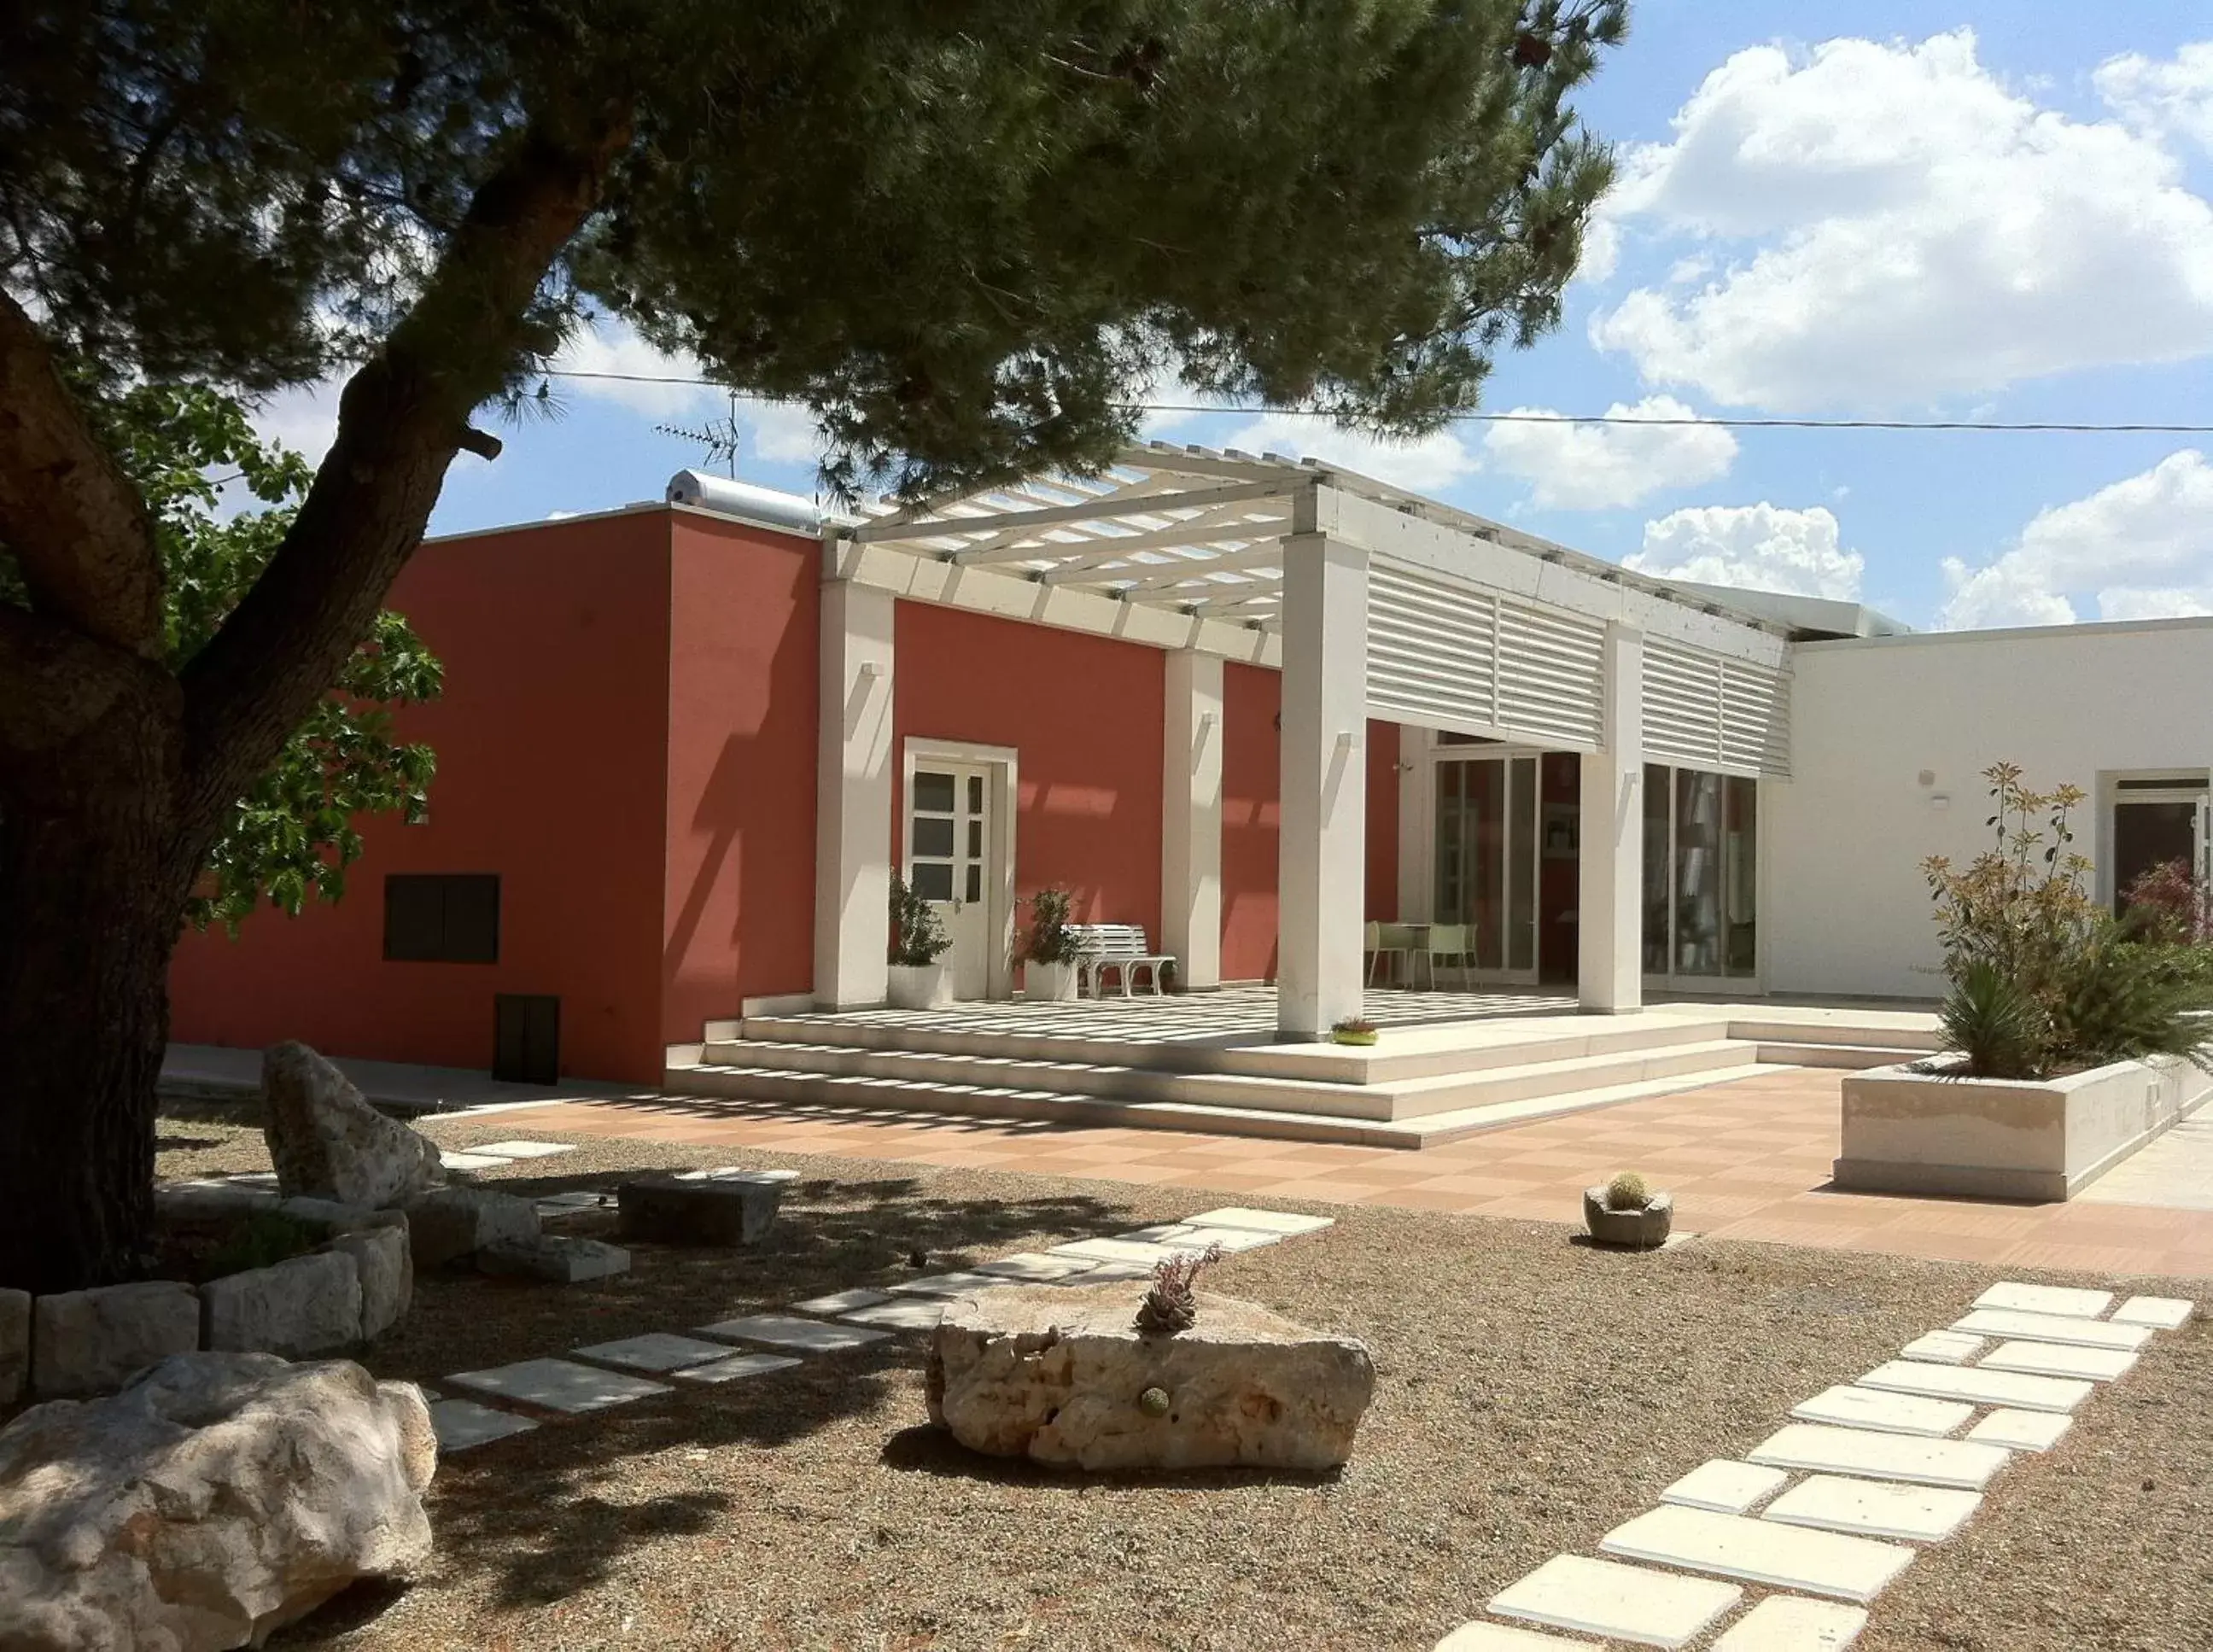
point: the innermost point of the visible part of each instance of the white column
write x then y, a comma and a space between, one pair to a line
1610, 901
1191, 818
1323, 872
853, 780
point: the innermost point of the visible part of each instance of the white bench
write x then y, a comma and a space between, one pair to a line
1118, 947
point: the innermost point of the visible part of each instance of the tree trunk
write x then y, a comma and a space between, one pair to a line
90, 890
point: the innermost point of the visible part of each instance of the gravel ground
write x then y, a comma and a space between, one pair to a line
1531, 1394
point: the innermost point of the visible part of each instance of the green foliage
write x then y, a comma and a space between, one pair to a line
1627, 1191
1995, 1026
261, 1240
918, 938
966, 233
2044, 981
294, 833
1050, 941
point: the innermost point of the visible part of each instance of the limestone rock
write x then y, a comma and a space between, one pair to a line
387, 1271
327, 1217
309, 1305
86, 1342
14, 1344
698, 1210
451, 1222
218, 1498
1059, 1375
558, 1258
328, 1142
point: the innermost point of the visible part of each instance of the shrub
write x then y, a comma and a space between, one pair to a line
2169, 904
1050, 941
1993, 1023
1172, 1304
2125, 997
918, 937
1627, 1191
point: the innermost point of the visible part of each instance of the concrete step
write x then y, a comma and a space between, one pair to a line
785, 1087
1398, 1101
1888, 1030
1406, 1053
1857, 1057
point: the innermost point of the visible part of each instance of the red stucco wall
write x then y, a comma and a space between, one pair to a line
742, 689
1083, 713
1383, 824
551, 742
1251, 763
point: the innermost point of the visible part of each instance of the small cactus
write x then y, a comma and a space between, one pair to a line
1627, 1192
1154, 1402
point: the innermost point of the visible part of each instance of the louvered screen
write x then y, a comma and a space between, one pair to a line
1704, 711
1438, 652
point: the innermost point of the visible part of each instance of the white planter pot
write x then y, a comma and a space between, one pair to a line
919, 986
1049, 983
1908, 1132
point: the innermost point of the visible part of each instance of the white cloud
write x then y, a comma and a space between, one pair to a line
1429, 466
608, 345
1761, 547
1899, 226
2175, 96
2139, 549
304, 418
1597, 466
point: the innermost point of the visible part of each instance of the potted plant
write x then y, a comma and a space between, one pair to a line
1049, 953
1353, 1030
1625, 1212
918, 978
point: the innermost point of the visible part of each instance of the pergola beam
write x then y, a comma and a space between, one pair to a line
1010, 523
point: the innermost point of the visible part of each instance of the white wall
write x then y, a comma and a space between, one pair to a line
1846, 908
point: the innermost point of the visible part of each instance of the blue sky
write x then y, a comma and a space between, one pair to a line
1995, 210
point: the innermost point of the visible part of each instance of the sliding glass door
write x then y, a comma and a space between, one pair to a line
1701, 876
1487, 852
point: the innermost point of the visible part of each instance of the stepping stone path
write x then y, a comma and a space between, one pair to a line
845, 1320
1830, 1507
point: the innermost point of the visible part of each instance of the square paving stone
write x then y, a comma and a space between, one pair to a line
1790, 1623
1283, 1223
782, 1330
558, 1385
731, 1366
1979, 1386
2047, 1299
1625, 1603
1504, 1637
2050, 1327
1135, 1250
1033, 1267
1942, 1348
898, 1316
1957, 1463
581, 1199
2159, 1312
738, 1172
461, 1424
1885, 1413
2057, 1360
451, 1160
1187, 1236
1919, 1513
965, 1283
1107, 1273
657, 1352
522, 1149
1854, 1568
2020, 1430
1725, 1487
840, 1301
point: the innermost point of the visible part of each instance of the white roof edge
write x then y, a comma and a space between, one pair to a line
2092, 628
635, 508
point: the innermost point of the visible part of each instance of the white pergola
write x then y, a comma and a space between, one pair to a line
1372, 602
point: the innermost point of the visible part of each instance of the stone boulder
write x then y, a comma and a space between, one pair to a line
307, 1306
327, 1142
681, 1209
1061, 1375
450, 1223
217, 1498
86, 1342
385, 1270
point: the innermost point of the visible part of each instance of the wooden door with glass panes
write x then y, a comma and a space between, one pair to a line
948, 846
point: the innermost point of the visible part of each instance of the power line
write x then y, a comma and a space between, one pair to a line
1717, 423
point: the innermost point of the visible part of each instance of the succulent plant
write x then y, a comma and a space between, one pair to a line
1154, 1402
1627, 1191
1171, 1305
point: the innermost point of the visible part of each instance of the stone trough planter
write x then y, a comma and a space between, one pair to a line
1921, 1129
1061, 1376
1640, 1229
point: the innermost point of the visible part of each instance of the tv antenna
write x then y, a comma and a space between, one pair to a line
720, 437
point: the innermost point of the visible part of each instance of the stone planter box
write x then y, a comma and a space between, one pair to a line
1049, 983
1640, 1229
1917, 1129
919, 986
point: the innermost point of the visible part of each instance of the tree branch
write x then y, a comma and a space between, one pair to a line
80, 530
401, 419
